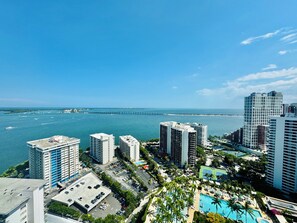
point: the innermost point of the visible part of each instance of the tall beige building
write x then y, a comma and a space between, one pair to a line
258, 109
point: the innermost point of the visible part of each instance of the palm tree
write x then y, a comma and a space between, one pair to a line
238, 210
217, 202
231, 204
248, 210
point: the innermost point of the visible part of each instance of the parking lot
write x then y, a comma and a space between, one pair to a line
110, 205
145, 177
120, 174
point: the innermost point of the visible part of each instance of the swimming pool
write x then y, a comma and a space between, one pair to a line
206, 206
140, 162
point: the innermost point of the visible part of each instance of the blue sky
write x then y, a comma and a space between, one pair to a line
175, 54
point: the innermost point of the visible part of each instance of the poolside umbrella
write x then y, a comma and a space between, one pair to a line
241, 198
219, 193
234, 197
274, 211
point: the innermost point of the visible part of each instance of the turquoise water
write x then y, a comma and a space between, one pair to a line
263, 221
224, 210
141, 123
140, 162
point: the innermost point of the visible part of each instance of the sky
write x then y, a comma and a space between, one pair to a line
146, 53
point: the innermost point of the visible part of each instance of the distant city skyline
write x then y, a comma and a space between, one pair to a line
148, 54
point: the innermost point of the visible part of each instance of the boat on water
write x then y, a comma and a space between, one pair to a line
9, 128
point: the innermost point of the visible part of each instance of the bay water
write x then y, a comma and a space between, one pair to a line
16, 128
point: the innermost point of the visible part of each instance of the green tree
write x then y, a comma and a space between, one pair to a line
87, 218
215, 218
248, 210
231, 205
217, 202
238, 210
173, 199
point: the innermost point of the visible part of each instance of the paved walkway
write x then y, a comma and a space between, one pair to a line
139, 208
194, 208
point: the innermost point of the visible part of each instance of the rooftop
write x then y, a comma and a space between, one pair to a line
101, 136
197, 125
87, 192
53, 141
129, 139
13, 192
170, 123
182, 126
281, 204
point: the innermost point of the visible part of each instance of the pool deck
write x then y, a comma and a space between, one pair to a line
226, 198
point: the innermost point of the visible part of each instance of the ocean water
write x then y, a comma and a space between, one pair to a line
18, 128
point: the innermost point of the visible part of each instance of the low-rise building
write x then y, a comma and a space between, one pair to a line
21, 200
85, 193
130, 147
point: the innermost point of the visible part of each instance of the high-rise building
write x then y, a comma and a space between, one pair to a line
102, 147
236, 136
262, 136
281, 169
289, 109
54, 159
165, 136
201, 133
258, 108
130, 147
21, 200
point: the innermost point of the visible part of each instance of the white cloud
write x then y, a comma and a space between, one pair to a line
280, 80
295, 41
270, 67
174, 87
261, 37
289, 37
282, 52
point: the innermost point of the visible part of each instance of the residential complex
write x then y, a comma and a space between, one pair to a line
201, 133
236, 136
21, 200
130, 147
258, 108
181, 143
281, 169
54, 159
289, 109
102, 147
165, 136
